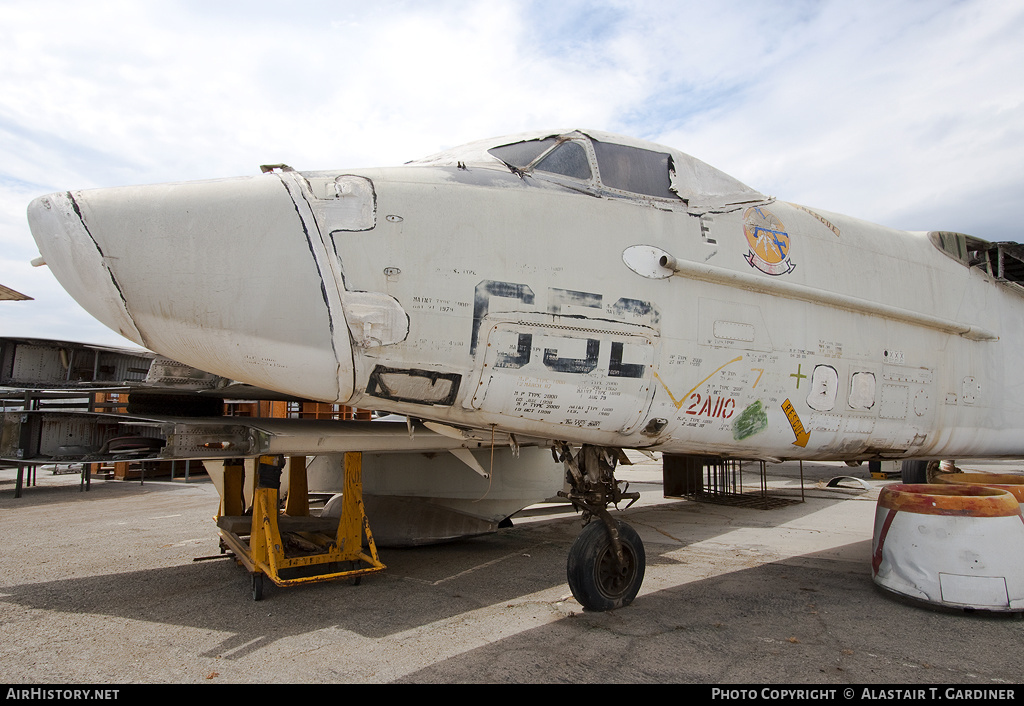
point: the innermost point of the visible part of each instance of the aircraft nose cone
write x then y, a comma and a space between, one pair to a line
75, 259
220, 275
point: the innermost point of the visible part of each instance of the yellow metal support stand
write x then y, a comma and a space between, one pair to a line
293, 549
233, 502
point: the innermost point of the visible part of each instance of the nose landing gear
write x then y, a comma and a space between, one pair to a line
606, 563
597, 578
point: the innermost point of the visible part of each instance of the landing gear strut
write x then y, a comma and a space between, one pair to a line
607, 561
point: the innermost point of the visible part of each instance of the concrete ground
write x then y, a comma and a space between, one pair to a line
104, 587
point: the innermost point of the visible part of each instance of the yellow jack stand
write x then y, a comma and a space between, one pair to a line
293, 549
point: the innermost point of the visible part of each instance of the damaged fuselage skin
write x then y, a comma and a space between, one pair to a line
577, 286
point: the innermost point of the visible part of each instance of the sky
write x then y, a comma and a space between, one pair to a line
901, 112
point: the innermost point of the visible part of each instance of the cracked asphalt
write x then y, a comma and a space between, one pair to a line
104, 588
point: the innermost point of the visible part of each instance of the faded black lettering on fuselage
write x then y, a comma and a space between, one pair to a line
559, 302
482, 302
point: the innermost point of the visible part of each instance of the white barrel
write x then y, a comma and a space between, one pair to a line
953, 545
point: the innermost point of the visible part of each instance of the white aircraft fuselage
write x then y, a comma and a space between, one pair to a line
618, 294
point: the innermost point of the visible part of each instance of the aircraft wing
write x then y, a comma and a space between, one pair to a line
43, 436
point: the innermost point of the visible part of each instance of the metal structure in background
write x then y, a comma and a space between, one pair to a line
43, 364
8, 294
712, 479
13, 401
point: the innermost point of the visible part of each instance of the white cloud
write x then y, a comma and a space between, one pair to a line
891, 112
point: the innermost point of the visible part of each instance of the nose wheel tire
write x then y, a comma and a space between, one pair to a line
596, 578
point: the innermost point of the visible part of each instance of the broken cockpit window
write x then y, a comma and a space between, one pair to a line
635, 170
521, 154
568, 159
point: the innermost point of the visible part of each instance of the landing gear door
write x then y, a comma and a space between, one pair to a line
577, 377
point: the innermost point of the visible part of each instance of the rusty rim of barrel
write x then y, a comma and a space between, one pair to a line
949, 499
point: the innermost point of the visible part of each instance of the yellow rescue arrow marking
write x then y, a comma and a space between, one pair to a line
802, 436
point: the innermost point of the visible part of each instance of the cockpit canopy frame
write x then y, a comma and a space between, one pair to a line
604, 164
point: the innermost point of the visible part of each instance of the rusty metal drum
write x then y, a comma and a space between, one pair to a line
952, 545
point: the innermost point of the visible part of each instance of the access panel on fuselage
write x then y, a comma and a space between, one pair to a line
589, 378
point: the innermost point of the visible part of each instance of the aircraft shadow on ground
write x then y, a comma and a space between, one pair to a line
421, 586
808, 619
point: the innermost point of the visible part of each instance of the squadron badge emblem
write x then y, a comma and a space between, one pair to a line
768, 240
